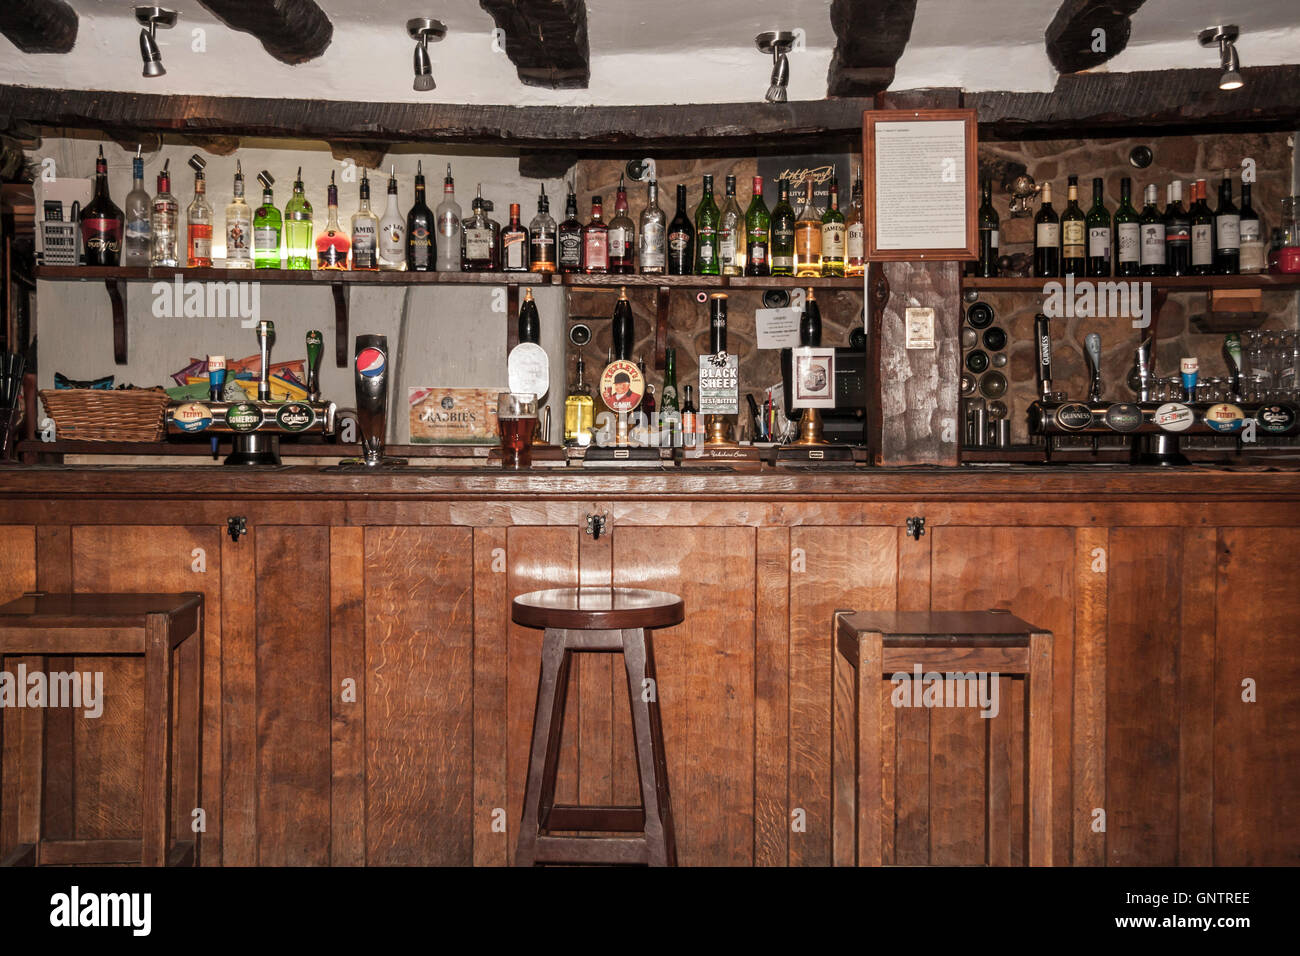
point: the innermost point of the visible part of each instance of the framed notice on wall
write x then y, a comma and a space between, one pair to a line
920, 177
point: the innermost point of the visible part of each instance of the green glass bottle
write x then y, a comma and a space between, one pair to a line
266, 227
1098, 239
833, 234
1128, 232
297, 228
669, 411
783, 231
758, 221
707, 216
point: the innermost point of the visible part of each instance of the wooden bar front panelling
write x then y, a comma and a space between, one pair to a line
20, 768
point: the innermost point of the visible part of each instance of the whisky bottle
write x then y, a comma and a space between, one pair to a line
514, 245
855, 233
198, 221
758, 224
782, 233
266, 227
595, 242
135, 237
731, 233
578, 411
421, 243
653, 233
479, 244
449, 226
101, 222
1074, 233
541, 237
570, 236
297, 227
808, 236
392, 230
239, 226
622, 235
332, 245
163, 222
365, 231
833, 235
706, 232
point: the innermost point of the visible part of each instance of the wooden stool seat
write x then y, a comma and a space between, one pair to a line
153, 626
585, 620
870, 644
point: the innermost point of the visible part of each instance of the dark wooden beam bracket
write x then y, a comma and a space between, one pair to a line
870, 37
546, 40
292, 31
117, 299
341, 323
39, 26
1073, 41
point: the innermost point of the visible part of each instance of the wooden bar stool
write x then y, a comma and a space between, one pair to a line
149, 625
584, 620
869, 644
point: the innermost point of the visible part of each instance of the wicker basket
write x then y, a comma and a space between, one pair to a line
100, 414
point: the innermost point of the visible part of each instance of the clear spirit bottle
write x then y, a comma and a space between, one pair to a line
135, 242
731, 233
198, 218
365, 232
653, 223
239, 226
449, 226
164, 223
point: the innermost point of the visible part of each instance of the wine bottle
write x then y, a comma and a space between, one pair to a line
1074, 233
987, 266
1047, 237
1227, 231
1178, 233
1202, 232
1151, 260
1098, 224
1252, 235
1128, 232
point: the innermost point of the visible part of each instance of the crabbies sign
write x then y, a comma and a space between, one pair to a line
453, 416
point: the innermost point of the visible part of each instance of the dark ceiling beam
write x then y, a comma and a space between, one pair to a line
546, 40
1072, 41
292, 31
39, 26
870, 37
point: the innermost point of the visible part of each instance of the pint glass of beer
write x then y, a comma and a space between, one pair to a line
517, 417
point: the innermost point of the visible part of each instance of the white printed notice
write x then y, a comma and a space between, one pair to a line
777, 328
920, 186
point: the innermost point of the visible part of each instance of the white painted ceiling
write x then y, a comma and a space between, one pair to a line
661, 51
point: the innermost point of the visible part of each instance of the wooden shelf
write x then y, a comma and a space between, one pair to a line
1264, 281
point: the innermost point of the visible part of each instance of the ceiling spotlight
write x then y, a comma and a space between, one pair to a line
1225, 38
778, 44
151, 18
422, 30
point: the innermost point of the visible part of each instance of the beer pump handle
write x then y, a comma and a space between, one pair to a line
1043, 343
265, 339
315, 347
1092, 348
1144, 369
1232, 356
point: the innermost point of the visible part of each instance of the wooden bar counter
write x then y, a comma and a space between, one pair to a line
368, 700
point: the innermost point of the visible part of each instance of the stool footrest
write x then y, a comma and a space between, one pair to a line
616, 819
554, 849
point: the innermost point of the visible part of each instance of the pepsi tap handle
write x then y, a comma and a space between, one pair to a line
265, 339
315, 346
371, 373
1092, 348
1043, 346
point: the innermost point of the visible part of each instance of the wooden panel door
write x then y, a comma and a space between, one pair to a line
1257, 699
20, 771
108, 751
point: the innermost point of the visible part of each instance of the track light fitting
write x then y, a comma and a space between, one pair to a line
423, 30
777, 43
1225, 38
151, 18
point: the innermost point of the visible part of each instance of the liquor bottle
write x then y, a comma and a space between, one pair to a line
297, 227
1074, 233
731, 233
421, 238
1202, 232
198, 223
1227, 231
135, 235
392, 230
808, 236
622, 329
833, 235
541, 237
530, 323
622, 235
595, 242
648, 405
494, 228
690, 417
1178, 233
514, 243
1047, 237
707, 215
164, 217
101, 222
1098, 223
810, 323
365, 231
1151, 226
239, 226
266, 227
1128, 233
758, 225
681, 239
478, 252
653, 233
987, 264
570, 233
669, 411
449, 226
855, 233
579, 411
332, 245
782, 232
1252, 235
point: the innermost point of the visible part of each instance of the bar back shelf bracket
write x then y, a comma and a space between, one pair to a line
117, 298
340, 323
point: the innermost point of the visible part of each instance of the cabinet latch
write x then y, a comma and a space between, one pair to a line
235, 526
915, 527
596, 525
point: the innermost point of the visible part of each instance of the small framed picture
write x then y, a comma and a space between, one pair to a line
813, 377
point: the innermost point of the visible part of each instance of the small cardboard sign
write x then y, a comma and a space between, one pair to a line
920, 328
453, 416
777, 328
719, 384
622, 386
812, 378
